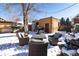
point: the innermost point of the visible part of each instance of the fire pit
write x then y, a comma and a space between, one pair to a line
37, 47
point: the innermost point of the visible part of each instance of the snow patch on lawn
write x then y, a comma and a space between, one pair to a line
54, 51
9, 45
69, 52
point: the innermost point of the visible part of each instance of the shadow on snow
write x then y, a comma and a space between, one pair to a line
14, 45
21, 54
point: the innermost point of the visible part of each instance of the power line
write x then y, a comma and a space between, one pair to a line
62, 9
45, 12
65, 8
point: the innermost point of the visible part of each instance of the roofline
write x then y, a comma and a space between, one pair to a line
46, 18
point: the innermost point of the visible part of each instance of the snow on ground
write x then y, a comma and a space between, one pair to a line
69, 52
53, 50
9, 46
78, 51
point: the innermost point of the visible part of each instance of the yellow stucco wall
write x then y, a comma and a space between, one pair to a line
44, 21
53, 23
5, 27
2, 25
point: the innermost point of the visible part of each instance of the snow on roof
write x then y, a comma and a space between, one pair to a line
20, 21
29, 23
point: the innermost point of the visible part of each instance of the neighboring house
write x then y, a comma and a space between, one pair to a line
22, 28
6, 26
50, 24
76, 22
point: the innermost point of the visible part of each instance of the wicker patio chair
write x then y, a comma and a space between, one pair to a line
22, 40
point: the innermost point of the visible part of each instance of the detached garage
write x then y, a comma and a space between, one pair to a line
50, 24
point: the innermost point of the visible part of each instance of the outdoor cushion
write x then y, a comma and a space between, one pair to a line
53, 39
39, 36
57, 35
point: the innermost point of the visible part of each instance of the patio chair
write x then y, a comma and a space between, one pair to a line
53, 39
22, 39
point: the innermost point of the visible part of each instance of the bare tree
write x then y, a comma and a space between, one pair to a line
26, 9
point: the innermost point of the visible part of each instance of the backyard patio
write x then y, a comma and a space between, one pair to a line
9, 46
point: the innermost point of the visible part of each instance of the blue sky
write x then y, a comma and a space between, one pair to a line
51, 8
47, 10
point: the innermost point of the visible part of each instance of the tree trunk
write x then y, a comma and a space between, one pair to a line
26, 25
25, 20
